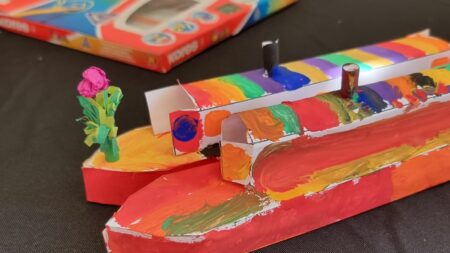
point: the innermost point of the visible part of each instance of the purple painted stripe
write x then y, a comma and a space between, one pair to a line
385, 53
386, 91
330, 69
269, 85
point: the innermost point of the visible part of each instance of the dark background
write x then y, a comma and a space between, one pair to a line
42, 206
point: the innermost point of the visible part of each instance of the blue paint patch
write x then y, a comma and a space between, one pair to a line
370, 98
185, 128
288, 79
386, 91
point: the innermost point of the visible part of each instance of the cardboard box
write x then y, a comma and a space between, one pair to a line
152, 34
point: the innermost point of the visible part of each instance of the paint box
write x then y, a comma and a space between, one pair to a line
198, 211
144, 157
250, 138
196, 109
152, 34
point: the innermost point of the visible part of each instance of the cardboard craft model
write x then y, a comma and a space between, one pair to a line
392, 142
197, 109
292, 167
153, 34
147, 154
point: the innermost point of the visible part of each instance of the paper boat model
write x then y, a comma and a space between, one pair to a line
297, 166
296, 154
191, 122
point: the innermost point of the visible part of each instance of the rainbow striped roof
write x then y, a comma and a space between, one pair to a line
233, 88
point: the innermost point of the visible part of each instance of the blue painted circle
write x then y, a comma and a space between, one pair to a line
185, 128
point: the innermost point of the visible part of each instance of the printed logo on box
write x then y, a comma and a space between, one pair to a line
204, 17
159, 39
183, 27
183, 52
14, 25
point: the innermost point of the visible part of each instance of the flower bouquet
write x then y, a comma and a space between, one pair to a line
99, 102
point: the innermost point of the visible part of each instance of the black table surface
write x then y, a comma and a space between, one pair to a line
42, 204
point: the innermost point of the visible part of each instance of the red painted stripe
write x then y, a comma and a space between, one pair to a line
407, 51
314, 114
292, 165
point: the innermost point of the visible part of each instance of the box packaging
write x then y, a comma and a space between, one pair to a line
152, 34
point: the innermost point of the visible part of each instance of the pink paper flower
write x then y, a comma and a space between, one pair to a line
94, 81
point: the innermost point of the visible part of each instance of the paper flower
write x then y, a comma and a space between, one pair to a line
99, 102
94, 81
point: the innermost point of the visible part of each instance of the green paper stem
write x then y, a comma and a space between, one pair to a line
100, 123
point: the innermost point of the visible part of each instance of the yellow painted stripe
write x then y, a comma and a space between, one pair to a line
442, 45
313, 73
438, 75
372, 60
221, 93
427, 47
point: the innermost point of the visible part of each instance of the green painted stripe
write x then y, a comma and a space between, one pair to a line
210, 217
347, 111
340, 60
248, 87
286, 115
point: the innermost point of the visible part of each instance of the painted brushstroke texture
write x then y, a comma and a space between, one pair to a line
372, 99
372, 60
408, 51
347, 110
139, 153
210, 217
234, 162
285, 114
340, 59
234, 88
330, 69
262, 124
312, 72
269, 85
213, 122
176, 194
331, 110
320, 162
315, 115
249, 88
437, 43
293, 217
386, 91
187, 130
288, 79
384, 53
428, 47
